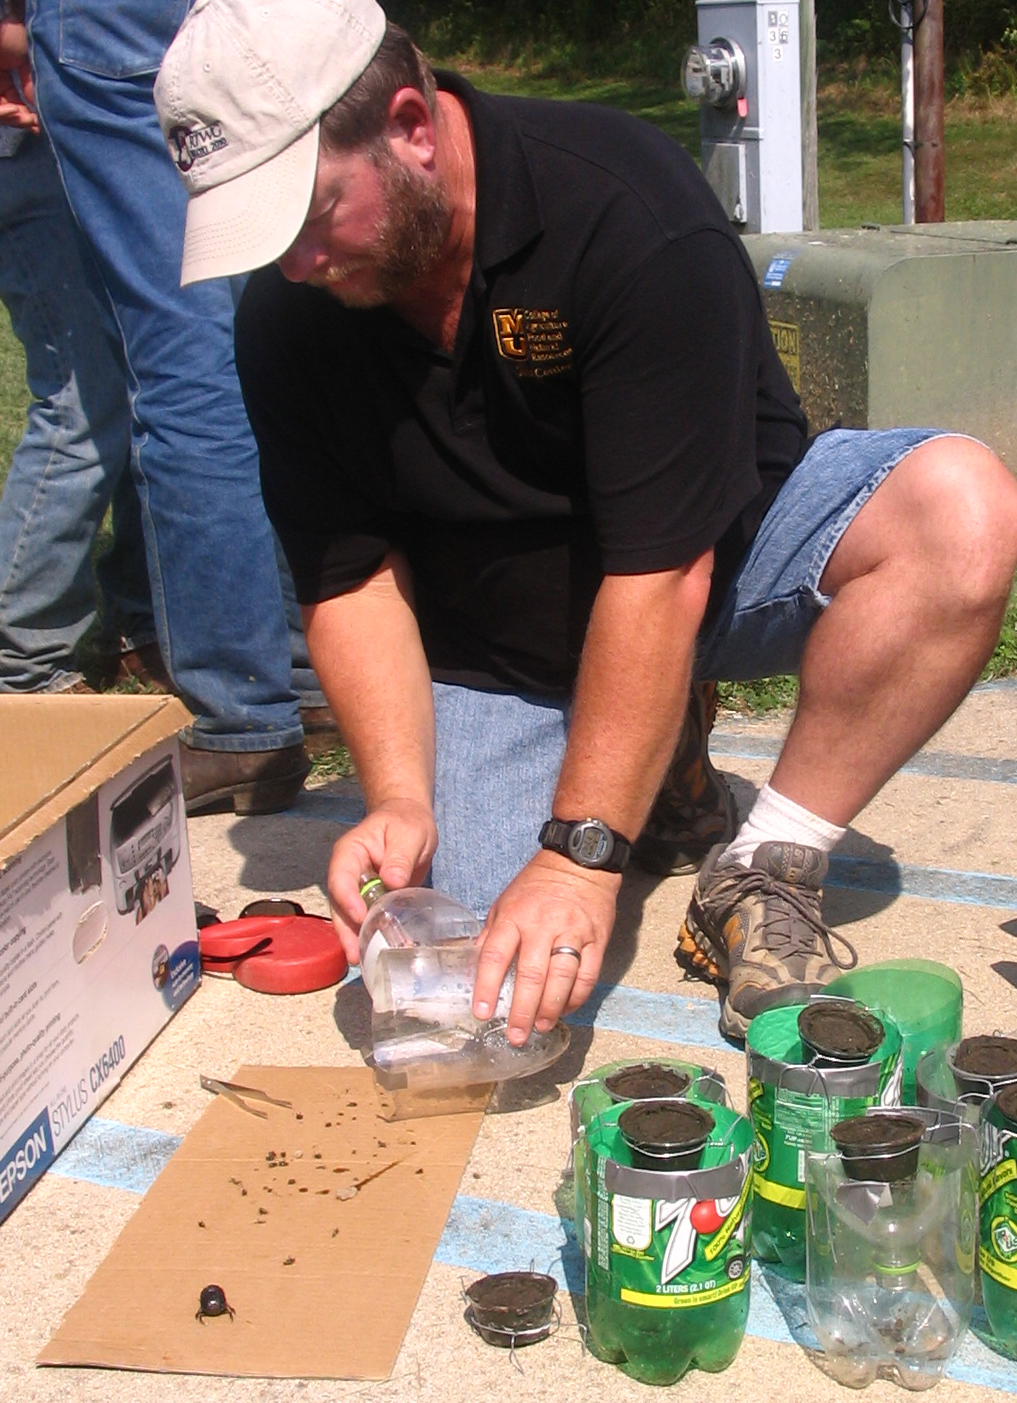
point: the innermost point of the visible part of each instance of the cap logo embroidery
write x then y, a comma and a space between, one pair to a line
535, 339
192, 144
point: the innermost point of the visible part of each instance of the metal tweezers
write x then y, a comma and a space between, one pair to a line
236, 1093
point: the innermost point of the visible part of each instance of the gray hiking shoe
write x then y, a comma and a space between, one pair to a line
694, 810
759, 930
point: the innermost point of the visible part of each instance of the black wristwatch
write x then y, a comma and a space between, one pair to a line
586, 841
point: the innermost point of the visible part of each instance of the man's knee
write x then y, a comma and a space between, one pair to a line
971, 498
948, 513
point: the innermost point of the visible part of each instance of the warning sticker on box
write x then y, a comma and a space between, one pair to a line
787, 342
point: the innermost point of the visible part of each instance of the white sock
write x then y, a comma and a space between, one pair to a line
777, 819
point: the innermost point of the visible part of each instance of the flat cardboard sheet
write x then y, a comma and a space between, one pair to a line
319, 1222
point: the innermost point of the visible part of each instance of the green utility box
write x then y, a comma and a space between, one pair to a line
899, 325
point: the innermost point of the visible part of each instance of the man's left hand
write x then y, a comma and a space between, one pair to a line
554, 920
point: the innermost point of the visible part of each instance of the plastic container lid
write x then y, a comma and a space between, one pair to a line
294, 954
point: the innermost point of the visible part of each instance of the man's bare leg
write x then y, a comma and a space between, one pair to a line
919, 584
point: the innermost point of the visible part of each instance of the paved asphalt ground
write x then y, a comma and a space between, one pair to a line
930, 868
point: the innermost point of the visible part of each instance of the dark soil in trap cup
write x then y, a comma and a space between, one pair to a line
982, 1063
512, 1308
645, 1081
839, 1033
664, 1134
881, 1149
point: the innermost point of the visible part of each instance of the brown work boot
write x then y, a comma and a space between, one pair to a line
246, 781
694, 810
759, 930
142, 665
321, 731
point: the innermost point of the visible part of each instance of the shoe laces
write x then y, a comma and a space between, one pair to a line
780, 933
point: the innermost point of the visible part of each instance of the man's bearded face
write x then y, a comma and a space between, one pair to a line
408, 237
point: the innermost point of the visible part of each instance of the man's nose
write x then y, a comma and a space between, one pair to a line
301, 259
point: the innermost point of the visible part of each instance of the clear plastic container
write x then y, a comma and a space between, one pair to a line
890, 1259
419, 958
409, 918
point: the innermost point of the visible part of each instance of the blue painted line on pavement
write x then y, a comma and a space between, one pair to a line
116, 1156
488, 1236
927, 883
348, 808
933, 764
993, 890
998, 684
482, 1234
662, 1017
852, 873
777, 1310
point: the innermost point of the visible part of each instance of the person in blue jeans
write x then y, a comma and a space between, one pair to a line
70, 461
68, 466
215, 583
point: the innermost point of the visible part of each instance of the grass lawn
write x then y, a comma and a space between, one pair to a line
14, 396
859, 182
859, 142
860, 157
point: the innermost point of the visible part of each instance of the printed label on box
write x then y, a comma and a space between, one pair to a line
98, 948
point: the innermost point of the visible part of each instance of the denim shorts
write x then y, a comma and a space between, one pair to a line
498, 755
775, 598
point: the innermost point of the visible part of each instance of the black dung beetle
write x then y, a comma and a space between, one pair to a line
213, 1302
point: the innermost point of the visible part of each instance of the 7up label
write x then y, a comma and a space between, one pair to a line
673, 1253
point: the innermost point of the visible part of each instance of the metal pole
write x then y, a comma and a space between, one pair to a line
929, 155
810, 133
907, 105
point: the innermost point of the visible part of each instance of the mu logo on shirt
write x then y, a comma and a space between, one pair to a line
536, 340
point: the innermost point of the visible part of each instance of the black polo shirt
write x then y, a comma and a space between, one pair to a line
614, 403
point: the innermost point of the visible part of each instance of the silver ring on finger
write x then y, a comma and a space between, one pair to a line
567, 950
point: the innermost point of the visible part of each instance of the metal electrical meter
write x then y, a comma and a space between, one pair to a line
745, 73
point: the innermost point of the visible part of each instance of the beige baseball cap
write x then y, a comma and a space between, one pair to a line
239, 95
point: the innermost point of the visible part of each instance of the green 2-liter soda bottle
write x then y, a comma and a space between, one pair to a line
792, 1104
667, 1251
628, 1080
997, 1197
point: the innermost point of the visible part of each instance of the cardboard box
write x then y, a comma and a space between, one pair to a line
98, 944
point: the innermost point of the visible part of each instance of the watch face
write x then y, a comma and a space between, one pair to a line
591, 843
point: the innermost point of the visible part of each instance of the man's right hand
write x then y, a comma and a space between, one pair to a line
16, 97
397, 840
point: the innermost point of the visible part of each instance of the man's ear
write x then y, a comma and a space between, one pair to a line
411, 125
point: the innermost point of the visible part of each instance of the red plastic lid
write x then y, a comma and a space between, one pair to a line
300, 953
